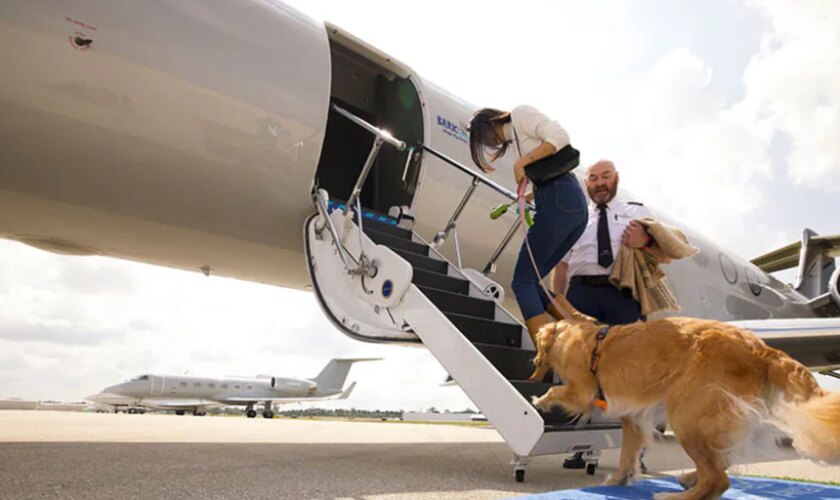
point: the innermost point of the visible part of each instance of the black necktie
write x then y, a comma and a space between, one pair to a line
605, 256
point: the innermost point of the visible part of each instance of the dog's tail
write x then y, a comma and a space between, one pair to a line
809, 415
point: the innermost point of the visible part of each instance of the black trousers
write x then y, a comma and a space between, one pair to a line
605, 302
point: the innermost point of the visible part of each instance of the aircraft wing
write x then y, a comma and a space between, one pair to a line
178, 403
788, 256
814, 342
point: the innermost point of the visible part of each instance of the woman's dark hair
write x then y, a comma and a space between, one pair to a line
484, 138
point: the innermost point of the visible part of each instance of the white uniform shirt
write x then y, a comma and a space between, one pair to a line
532, 128
583, 257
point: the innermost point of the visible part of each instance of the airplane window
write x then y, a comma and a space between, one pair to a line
197, 384
237, 386
753, 281
183, 384
144, 377
224, 386
730, 272
250, 387
212, 386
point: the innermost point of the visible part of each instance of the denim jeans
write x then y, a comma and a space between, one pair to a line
560, 220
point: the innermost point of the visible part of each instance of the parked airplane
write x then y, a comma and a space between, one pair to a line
191, 393
256, 139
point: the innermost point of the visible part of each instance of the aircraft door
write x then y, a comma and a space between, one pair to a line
158, 384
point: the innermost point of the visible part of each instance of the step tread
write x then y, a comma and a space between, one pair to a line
422, 261
461, 304
599, 426
395, 242
513, 363
423, 277
487, 331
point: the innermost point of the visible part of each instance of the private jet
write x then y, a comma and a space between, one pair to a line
245, 139
194, 394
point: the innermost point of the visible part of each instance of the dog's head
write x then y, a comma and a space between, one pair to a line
550, 338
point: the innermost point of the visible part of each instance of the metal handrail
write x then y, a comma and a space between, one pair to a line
440, 237
380, 137
387, 137
475, 175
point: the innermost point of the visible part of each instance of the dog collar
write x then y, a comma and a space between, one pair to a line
600, 399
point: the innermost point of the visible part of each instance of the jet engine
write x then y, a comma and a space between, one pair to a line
292, 386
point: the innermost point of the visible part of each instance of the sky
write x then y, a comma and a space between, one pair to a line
723, 113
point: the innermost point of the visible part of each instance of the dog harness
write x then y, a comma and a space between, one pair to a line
600, 400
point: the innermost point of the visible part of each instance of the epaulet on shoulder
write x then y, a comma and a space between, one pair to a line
637, 203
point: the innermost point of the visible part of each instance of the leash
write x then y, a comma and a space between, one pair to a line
600, 401
520, 191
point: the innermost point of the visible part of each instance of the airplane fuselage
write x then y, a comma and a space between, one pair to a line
191, 136
223, 390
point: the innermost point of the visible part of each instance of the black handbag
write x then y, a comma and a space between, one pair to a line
561, 162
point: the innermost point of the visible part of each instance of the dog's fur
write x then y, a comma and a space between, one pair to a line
711, 378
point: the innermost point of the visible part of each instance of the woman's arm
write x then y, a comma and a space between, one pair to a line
544, 150
560, 278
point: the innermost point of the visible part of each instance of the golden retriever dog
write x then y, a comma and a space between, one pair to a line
715, 383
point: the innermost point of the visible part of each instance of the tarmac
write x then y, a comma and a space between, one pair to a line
98, 456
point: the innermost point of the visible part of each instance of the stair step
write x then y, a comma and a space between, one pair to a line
449, 302
396, 243
513, 363
529, 389
600, 426
423, 262
441, 282
487, 331
390, 229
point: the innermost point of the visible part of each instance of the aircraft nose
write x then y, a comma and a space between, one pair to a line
93, 398
115, 389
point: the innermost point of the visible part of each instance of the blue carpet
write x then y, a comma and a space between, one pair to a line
742, 488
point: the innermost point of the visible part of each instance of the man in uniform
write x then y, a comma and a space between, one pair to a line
583, 274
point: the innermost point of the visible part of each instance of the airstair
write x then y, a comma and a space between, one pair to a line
377, 281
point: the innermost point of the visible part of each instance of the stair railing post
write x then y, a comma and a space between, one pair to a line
440, 237
324, 212
457, 248
360, 182
490, 268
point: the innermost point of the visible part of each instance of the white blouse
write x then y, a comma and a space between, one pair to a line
532, 128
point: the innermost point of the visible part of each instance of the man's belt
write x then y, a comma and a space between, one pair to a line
592, 280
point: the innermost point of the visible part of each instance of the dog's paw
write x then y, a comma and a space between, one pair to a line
687, 480
538, 402
618, 479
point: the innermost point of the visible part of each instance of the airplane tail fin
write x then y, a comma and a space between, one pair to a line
335, 373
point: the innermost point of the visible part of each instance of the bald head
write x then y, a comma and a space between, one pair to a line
602, 181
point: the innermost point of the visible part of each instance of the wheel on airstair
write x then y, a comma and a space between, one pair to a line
590, 468
520, 475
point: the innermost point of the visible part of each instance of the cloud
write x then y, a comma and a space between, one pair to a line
58, 332
95, 277
793, 87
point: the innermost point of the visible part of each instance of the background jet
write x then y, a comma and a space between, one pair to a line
183, 393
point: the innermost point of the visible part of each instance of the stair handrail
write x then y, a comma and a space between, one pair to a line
365, 266
441, 236
381, 137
